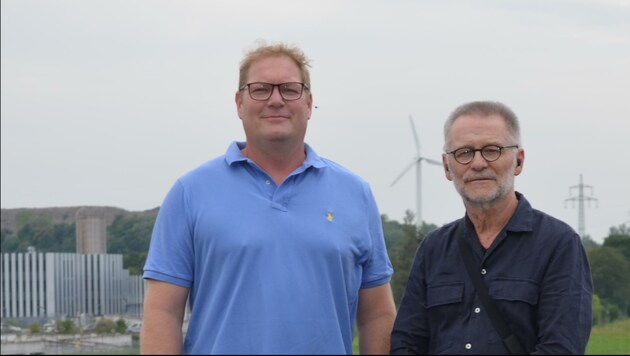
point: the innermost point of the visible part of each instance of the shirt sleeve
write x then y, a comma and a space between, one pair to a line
171, 258
378, 269
565, 306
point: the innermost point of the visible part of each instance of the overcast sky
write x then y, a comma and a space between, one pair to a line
108, 102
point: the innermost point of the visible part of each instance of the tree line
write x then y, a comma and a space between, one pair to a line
130, 236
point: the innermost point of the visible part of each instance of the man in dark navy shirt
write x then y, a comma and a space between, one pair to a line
534, 265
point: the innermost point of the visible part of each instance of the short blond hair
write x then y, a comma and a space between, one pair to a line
280, 49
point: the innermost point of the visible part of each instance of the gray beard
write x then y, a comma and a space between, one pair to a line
486, 202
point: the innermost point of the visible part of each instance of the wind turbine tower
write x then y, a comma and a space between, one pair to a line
580, 198
417, 162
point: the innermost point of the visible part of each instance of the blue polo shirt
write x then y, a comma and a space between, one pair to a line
271, 269
536, 272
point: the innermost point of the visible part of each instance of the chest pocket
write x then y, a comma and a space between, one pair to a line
514, 290
443, 294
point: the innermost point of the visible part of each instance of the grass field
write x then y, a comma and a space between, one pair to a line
609, 339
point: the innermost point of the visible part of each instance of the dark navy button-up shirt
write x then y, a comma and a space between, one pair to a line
536, 272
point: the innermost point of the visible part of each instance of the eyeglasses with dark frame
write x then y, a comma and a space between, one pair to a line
262, 91
490, 153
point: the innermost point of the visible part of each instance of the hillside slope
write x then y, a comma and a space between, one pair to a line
67, 215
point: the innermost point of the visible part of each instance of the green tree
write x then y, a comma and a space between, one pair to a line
622, 229
134, 262
619, 238
27, 217
121, 326
597, 310
130, 234
403, 242
40, 232
25, 238
589, 243
613, 312
611, 276
9, 241
392, 231
63, 238
400, 249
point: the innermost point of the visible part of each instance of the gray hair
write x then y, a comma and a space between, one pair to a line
484, 109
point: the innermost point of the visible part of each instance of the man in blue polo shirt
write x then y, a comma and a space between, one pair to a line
276, 249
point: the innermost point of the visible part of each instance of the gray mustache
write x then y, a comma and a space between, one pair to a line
479, 176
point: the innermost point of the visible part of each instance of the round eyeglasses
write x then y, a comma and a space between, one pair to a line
490, 153
262, 91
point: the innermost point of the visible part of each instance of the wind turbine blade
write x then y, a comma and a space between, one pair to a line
432, 161
409, 166
415, 135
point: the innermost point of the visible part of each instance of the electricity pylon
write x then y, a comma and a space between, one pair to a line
580, 199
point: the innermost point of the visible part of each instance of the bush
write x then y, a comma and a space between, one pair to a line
613, 312
35, 328
597, 310
121, 326
67, 327
104, 326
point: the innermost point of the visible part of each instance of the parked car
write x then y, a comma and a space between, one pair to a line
10, 329
49, 328
134, 328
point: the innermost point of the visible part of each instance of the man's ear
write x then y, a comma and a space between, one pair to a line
447, 171
520, 159
238, 100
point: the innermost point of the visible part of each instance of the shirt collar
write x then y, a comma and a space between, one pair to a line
234, 154
523, 218
312, 158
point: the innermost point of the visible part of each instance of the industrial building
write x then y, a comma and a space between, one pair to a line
55, 285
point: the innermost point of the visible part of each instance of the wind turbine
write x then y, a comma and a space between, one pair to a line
417, 161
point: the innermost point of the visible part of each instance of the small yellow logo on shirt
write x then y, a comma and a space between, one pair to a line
329, 216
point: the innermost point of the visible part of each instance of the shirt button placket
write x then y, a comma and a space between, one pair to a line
477, 310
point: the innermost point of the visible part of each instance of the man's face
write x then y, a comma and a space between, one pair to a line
274, 119
481, 182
